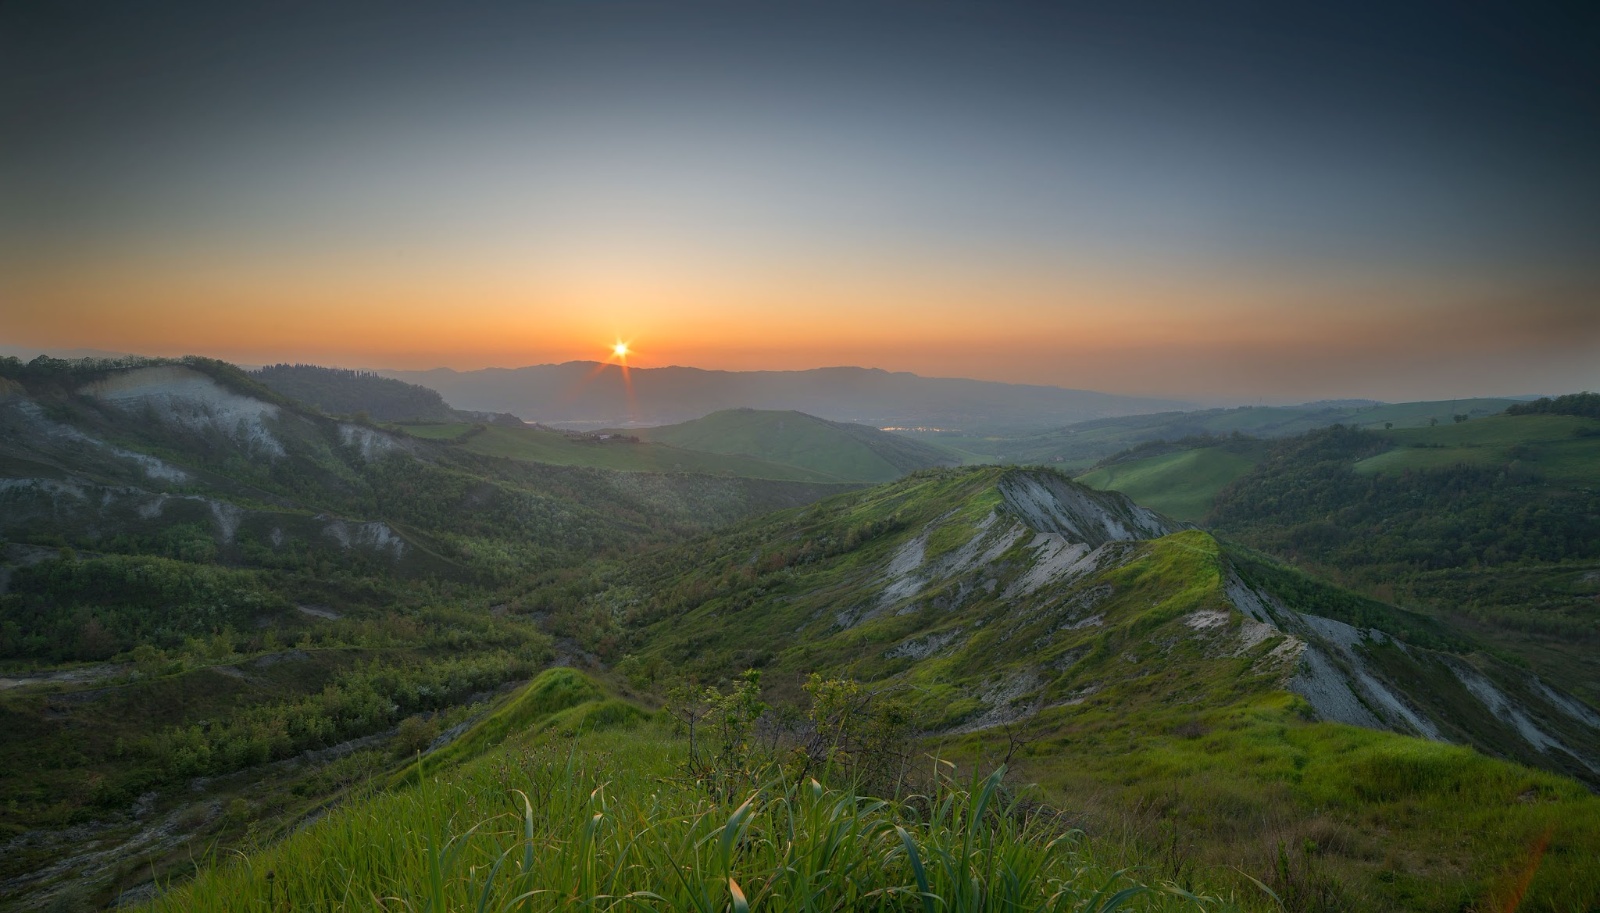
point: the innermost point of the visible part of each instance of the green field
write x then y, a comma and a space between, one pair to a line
1080, 446
446, 431
618, 453
784, 446
1561, 448
1181, 485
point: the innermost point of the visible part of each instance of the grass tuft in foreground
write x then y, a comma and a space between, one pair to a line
602, 822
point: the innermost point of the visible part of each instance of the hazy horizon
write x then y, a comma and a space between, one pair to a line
1227, 204
1195, 401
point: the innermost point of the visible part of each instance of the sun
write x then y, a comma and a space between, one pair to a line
620, 350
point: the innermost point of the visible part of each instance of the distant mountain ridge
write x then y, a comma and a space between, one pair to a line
590, 394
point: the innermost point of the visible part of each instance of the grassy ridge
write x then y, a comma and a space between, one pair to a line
594, 817
1486, 523
1142, 718
344, 392
552, 692
585, 809
1490, 524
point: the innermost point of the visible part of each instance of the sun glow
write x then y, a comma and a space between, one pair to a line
620, 350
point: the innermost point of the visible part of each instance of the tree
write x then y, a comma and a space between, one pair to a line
861, 733
722, 753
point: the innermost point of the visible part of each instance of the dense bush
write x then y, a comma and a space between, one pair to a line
365, 699
1306, 501
75, 609
1584, 404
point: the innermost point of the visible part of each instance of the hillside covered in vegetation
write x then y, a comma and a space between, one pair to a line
1121, 663
309, 661
1492, 524
339, 391
202, 577
1079, 446
834, 450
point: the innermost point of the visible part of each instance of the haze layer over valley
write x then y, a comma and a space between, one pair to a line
590, 394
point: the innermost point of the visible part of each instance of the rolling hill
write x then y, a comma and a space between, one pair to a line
1080, 445
618, 451
91, 455
341, 392
344, 392
1122, 662
213, 597
1491, 522
834, 450
234, 628
1180, 481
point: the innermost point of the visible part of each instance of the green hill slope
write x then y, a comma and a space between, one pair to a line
1488, 522
1080, 446
264, 611
1560, 449
621, 452
835, 450
344, 392
213, 597
1143, 673
1493, 524
1181, 484
585, 808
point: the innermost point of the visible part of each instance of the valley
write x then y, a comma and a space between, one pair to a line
232, 623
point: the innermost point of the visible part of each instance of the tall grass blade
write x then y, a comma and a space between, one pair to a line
916, 869
733, 831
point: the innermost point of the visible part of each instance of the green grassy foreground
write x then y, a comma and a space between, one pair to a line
587, 810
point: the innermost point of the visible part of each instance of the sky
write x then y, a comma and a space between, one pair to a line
1221, 201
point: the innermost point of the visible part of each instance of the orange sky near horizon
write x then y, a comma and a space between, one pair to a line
1075, 325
